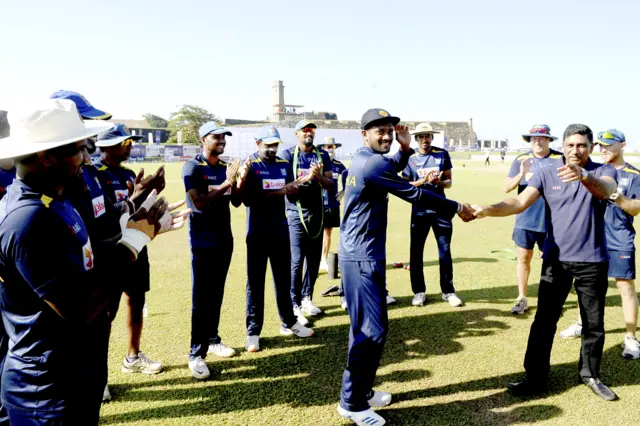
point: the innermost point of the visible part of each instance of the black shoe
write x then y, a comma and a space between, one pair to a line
527, 388
332, 290
599, 388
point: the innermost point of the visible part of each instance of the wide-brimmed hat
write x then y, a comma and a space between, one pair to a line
611, 136
115, 136
86, 110
541, 130
329, 141
424, 128
269, 135
46, 125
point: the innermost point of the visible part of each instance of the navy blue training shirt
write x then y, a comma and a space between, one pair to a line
618, 223
212, 225
420, 165
266, 215
534, 218
42, 241
114, 180
310, 195
576, 232
339, 172
371, 178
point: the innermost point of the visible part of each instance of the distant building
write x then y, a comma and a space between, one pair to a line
284, 114
144, 129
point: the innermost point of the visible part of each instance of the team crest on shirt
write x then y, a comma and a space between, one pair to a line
87, 256
283, 171
99, 207
623, 182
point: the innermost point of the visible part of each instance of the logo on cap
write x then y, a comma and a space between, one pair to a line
383, 113
272, 131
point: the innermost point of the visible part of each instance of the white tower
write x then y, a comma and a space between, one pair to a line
277, 96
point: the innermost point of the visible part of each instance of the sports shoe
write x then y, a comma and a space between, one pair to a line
343, 303
145, 311
199, 368
297, 329
253, 344
391, 300
106, 395
520, 307
452, 299
309, 308
572, 332
362, 418
631, 348
221, 350
419, 299
324, 265
380, 399
141, 364
300, 316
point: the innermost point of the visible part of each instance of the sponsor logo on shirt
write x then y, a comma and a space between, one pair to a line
335, 175
87, 256
75, 228
556, 187
214, 187
262, 172
625, 257
210, 177
273, 183
426, 170
303, 172
98, 206
121, 195
623, 182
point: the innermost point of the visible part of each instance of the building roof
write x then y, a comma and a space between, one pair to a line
135, 124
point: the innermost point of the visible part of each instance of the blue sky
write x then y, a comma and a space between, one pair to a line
506, 64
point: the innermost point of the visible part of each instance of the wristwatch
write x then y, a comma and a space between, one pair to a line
616, 194
584, 173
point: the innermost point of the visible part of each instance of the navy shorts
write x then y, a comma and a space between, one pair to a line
332, 217
622, 265
528, 239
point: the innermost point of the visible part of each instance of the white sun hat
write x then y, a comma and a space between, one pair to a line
48, 124
423, 128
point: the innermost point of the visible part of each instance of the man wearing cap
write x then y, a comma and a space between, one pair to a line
115, 180
575, 253
430, 169
210, 184
622, 206
53, 289
305, 217
531, 225
372, 176
265, 181
331, 197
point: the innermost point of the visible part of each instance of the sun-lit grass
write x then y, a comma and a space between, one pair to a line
444, 366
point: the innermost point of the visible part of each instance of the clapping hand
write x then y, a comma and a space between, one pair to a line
173, 220
525, 166
232, 171
142, 186
403, 136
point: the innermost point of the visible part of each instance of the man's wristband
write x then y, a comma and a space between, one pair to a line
459, 208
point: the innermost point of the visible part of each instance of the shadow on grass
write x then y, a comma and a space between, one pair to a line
428, 263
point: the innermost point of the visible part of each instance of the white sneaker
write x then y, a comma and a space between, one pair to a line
300, 316
418, 299
253, 344
631, 348
106, 395
572, 332
324, 265
309, 308
391, 300
145, 311
297, 329
221, 350
380, 399
199, 369
343, 303
521, 306
452, 299
362, 418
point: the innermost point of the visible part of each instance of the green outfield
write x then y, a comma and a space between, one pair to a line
444, 365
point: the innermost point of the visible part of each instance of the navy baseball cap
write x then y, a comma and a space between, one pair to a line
305, 123
377, 115
117, 135
269, 135
86, 110
213, 128
611, 136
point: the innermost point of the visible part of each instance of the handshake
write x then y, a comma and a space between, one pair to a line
471, 212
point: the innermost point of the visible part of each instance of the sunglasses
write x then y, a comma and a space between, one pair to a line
308, 130
608, 136
540, 130
330, 147
127, 143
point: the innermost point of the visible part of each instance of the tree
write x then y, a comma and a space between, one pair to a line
188, 119
156, 121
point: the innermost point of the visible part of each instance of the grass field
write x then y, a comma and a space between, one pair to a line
444, 366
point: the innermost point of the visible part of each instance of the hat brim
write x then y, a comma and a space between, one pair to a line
394, 121
425, 132
338, 145
221, 131
270, 140
95, 114
115, 141
527, 138
607, 143
312, 125
13, 146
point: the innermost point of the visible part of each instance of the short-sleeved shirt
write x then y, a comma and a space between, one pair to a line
211, 226
6, 178
420, 165
535, 217
114, 180
576, 230
618, 223
372, 176
339, 173
266, 215
310, 195
42, 240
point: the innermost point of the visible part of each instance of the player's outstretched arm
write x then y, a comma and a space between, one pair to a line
510, 206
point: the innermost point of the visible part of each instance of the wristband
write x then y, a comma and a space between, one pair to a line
134, 239
459, 208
